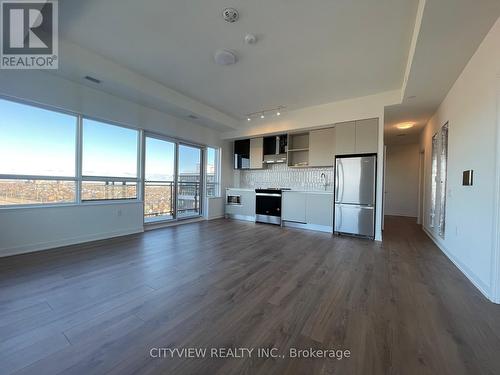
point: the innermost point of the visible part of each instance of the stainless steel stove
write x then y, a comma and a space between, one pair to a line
268, 205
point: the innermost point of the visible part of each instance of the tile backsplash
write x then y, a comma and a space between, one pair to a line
280, 175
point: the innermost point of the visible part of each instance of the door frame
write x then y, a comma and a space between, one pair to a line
176, 142
495, 264
421, 187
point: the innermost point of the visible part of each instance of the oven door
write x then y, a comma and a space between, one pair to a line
268, 204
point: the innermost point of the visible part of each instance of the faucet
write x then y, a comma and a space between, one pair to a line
324, 180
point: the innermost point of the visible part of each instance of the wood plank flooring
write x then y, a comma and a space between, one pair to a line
399, 307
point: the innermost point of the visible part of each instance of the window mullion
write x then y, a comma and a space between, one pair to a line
79, 134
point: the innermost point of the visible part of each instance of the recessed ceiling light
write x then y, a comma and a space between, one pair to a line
278, 113
405, 125
262, 116
249, 119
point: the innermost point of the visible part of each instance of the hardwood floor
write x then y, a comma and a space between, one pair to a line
399, 307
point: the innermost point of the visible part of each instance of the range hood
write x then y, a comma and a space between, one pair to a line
276, 158
275, 148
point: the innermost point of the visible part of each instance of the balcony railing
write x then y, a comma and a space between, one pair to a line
159, 195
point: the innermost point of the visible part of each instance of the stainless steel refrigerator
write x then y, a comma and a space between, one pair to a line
355, 182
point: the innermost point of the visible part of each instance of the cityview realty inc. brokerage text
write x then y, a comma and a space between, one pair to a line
250, 352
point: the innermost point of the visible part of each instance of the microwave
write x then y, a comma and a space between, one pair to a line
233, 199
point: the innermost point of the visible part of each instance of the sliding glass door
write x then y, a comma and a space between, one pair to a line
159, 182
172, 180
189, 181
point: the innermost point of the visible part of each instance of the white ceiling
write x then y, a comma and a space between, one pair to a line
308, 52
450, 32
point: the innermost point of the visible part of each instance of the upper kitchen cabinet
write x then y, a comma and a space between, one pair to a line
298, 149
256, 153
367, 136
322, 147
356, 137
345, 138
249, 153
242, 154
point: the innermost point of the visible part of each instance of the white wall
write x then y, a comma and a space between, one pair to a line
401, 180
30, 229
471, 109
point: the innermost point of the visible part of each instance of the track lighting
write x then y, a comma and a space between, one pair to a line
262, 114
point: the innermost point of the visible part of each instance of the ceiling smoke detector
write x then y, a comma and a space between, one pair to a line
230, 15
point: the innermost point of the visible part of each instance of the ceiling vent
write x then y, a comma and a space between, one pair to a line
230, 15
224, 57
92, 79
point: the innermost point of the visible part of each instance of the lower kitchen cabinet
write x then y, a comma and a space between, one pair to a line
308, 210
319, 209
245, 209
293, 207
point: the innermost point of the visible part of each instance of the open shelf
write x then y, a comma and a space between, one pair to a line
298, 150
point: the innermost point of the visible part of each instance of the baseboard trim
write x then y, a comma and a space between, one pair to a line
67, 242
482, 287
172, 223
215, 217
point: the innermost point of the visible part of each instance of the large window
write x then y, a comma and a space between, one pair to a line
53, 157
109, 161
37, 155
213, 172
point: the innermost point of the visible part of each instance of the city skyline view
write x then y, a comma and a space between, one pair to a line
41, 142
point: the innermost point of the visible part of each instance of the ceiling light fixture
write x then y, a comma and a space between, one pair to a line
262, 114
224, 57
405, 125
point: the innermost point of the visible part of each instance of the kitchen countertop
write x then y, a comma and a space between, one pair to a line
293, 190
309, 191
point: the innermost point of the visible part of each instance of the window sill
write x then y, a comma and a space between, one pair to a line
83, 204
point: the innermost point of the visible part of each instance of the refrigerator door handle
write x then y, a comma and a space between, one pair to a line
340, 186
336, 181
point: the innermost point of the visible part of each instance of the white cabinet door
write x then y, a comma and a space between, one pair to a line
345, 138
319, 209
367, 136
294, 206
322, 147
256, 153
247, 206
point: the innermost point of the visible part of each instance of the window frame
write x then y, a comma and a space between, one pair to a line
44, 177
217, 166
78, 178
82, 178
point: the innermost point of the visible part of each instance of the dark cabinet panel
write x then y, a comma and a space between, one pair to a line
242, 154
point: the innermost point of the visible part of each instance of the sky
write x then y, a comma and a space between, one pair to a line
36, 141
